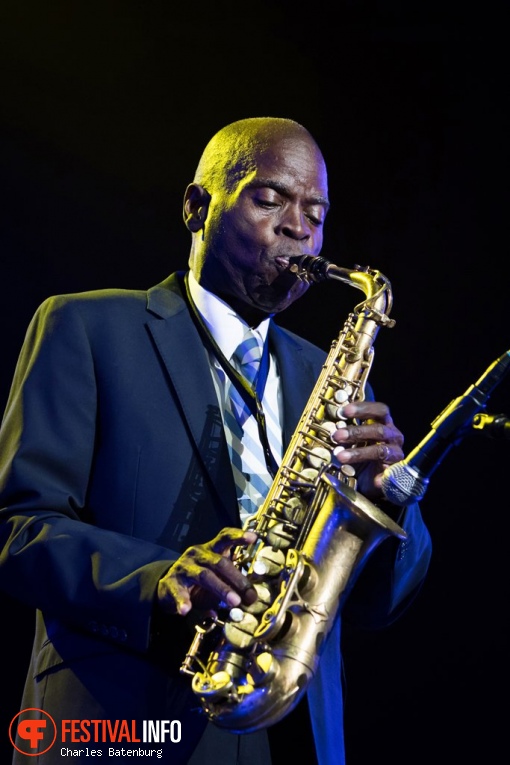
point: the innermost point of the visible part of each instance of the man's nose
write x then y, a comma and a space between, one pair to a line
296, 224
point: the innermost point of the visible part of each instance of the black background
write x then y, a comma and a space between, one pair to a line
105, 108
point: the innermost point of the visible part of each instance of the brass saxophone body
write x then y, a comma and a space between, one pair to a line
315, 531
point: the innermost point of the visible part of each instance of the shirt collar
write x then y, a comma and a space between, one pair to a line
224, 324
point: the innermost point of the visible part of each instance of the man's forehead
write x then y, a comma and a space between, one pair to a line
288, 171
315, 194
284, 164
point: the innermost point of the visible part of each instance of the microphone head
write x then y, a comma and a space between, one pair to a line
402, 484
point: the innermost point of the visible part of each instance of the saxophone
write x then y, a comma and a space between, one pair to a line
314, 533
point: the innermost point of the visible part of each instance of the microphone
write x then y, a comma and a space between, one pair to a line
407, 480
492, 425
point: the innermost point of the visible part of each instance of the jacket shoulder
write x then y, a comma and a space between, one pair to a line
93, 299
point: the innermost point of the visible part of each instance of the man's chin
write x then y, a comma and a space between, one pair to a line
275, 300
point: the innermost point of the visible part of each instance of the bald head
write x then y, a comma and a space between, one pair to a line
231, 153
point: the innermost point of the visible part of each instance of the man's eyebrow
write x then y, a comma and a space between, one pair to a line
268, 183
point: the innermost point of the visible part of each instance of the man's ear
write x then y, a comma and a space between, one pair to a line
195, 207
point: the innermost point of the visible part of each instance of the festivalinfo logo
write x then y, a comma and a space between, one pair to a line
34, 732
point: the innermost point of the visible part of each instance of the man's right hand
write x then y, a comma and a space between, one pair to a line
204, 576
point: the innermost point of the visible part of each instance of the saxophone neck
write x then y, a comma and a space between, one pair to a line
375, 286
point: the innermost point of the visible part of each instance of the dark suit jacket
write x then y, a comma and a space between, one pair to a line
113, 462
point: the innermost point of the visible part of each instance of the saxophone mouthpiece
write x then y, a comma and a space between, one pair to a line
310, 268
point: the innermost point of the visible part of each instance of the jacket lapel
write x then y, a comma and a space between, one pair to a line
297, 377
187, 364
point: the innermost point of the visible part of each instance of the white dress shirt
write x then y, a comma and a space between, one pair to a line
228, 330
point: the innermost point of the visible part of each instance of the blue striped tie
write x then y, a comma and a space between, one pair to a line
251, 476
246, 359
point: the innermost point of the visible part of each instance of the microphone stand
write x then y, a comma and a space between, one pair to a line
495, 426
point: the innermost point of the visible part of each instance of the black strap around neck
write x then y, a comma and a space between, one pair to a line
252, 398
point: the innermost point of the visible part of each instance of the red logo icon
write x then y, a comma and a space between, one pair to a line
32, 731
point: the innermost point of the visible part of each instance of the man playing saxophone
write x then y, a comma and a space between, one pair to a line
133, 451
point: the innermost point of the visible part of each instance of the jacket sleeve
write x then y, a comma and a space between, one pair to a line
393, 574
51, 558
395, 570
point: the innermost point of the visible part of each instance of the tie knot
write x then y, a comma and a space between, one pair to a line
248, 355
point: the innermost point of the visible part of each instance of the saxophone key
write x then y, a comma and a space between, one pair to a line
327, 427
336, 452
294, 510
200, 631
336, 409
263, 601
308, 476
280, 536
342, 394
262, 670
259, 568
212, 687
318, 457
334, 412
268, 562
240, 632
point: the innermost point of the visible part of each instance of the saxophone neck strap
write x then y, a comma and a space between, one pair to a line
251, 397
